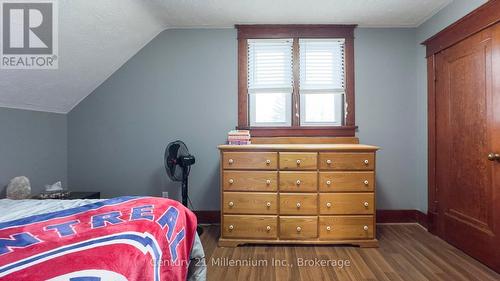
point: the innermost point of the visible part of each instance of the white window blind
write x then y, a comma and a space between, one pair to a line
322, 64
270, 81
322, 81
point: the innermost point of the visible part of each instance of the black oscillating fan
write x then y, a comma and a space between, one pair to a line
178, 163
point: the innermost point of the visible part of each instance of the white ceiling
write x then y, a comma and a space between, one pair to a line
96, 37
365, 13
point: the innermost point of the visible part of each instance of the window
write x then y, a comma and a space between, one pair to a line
270, 81
321, 81
296, 80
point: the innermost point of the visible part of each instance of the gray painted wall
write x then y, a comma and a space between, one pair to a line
385, 110
33, 144
183, 85
445, 17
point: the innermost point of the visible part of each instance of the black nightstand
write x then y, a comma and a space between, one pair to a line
84, 195
76, 195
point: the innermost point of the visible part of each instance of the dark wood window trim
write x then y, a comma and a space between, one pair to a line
296, 31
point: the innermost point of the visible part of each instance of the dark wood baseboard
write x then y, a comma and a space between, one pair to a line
207, 217
402, 216
383, 216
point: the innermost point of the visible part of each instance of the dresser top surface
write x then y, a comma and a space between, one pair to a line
301, 147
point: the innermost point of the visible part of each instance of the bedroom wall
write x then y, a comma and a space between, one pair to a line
445, 17
33, 144
385, 111
183, 85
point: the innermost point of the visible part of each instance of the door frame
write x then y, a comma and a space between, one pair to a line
481, 18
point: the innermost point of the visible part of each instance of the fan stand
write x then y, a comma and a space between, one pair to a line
184, 187
184, 192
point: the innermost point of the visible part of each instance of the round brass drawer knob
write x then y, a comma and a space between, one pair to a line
365, 204
366, 182
231, 181
230, 161
268, 161
366, 162
299, 229
231, 227
328, 228
231, 204
268, 204
298, 162
268, 182
365, 227
328, 182
298, 205
298, 182
328, 161
328, 205
268, 228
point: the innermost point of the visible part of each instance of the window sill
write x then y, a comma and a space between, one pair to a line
317, 131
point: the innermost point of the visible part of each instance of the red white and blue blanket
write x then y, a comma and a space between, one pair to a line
125, 238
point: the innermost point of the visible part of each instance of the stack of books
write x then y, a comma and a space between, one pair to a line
238, 137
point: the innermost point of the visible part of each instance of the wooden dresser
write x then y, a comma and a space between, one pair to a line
298, 194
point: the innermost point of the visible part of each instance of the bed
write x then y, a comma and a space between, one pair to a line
124, 238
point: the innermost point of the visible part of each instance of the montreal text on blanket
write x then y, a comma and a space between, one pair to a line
67, 228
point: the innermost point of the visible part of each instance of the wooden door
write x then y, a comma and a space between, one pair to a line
467, 130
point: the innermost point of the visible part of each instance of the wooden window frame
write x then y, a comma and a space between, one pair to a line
296, 31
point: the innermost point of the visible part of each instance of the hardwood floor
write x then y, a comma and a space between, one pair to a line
406, 252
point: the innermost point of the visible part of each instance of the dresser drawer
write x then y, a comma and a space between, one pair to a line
250, 227
346, 203
250, 203
298, 181
249, 180
346, 227
346, 181
298, 204
346, 161
298, 227
250, 160
298, 161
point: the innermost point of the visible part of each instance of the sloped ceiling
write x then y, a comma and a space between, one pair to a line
96, 37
